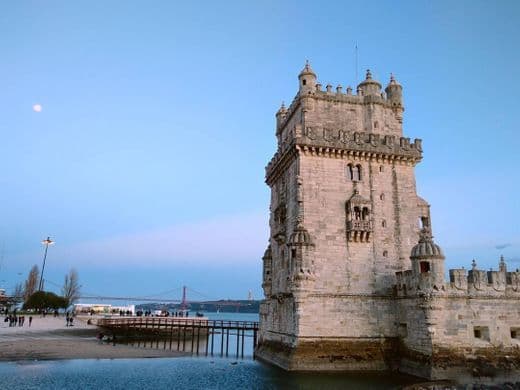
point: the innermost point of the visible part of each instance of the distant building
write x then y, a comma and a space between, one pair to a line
102, 308
352, 277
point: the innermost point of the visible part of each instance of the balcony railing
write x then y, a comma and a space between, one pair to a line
360, 225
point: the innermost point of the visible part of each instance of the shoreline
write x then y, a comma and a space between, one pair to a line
49, 339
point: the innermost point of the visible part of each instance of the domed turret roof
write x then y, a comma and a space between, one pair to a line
300, 236
369, 81
426, 247
282, 109
393, 82
307, 70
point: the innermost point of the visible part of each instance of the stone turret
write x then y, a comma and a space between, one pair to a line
280, 116
301, 245
267, 271
369, 87
394, 92
427, 258
307, 79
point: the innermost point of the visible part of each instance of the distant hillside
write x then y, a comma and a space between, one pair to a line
223, 306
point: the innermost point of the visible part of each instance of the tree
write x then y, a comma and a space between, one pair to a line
43, 300
31, 284
70, 290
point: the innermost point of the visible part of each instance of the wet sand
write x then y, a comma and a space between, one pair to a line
48, 339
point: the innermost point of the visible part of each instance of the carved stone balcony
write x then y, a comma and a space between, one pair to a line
359, 230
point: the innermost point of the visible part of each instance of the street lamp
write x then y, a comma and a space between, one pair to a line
45, 242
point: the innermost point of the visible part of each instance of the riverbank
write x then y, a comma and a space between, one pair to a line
49, 339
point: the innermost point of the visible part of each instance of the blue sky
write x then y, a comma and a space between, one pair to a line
146, 163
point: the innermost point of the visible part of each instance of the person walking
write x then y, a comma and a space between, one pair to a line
30, 321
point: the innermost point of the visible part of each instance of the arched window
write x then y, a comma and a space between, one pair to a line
365, 213
383, 223
382, 196
350, 173
425, 222
357, 213
381, 168
354, 172
425, 266
385, 253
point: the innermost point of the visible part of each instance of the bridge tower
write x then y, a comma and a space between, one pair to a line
344, 216
184, 302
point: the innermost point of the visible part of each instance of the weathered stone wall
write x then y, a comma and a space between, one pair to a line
460, 329
362, 267
352, 277
351, 114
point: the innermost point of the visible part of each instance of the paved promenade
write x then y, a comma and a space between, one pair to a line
49, 338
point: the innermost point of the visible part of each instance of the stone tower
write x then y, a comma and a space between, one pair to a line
344, 217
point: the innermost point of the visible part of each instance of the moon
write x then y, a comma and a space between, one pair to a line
37, 108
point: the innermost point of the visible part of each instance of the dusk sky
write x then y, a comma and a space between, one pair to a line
146, 161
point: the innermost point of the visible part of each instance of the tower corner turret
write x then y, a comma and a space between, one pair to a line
307, 79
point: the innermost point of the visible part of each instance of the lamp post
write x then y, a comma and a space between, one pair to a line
45, 242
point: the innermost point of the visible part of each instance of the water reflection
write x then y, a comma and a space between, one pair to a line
181, 373
215, 342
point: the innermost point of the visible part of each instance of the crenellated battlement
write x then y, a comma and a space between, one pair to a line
359, 141
334, 97
368, 93
411, 284
472, 283
344, 144
481, 282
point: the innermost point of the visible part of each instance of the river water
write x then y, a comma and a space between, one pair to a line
182, 373
179, 373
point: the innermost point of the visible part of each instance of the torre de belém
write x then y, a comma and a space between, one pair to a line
352, 277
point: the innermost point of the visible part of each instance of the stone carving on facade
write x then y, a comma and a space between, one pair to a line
478, 279
280, 218
359, 224
459, 279
310, 133
515, 280
343, 137
497, 280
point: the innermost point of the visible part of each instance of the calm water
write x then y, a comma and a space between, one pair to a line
178, 373
181, 373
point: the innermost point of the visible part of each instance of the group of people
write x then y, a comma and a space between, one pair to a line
15, 320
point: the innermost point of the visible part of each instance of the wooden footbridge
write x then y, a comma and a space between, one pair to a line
197, 336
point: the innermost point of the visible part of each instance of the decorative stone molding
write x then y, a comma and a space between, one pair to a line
338, 143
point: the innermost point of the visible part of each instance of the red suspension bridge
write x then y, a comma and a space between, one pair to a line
166, 297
